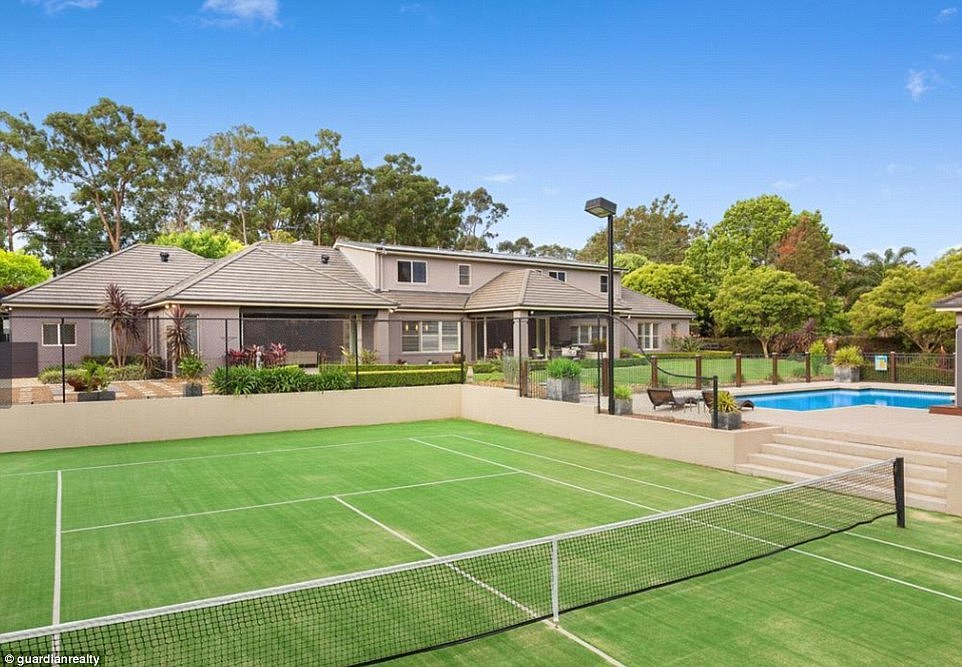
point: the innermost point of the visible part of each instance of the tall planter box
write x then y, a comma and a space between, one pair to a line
729, 421
623, 406
564, 389
847, 373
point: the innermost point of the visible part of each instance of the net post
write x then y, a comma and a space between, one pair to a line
555, 605
898, 470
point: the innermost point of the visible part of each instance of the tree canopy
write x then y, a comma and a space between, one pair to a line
18, 271
203, 242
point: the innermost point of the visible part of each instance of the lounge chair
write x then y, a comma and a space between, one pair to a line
660, 397
743, 404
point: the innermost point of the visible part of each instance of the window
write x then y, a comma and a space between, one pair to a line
586, 334
464, 274
409, 271
604, 284
430, 336
59, 334
100, 338
558, 275
648, 333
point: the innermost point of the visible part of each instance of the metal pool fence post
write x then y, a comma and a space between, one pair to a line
714, 401
63, 364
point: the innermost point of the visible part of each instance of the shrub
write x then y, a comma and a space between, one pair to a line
409, 378
191, 368
726, 402
563, 368
848, 357
626, 353
234, 380
623, 392
331, 378
483, 367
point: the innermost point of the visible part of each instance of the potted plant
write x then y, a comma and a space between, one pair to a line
623, 399
191, 368
93, 378
847, 364
564, 380
729, 414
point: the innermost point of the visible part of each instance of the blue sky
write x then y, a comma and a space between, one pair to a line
853, 108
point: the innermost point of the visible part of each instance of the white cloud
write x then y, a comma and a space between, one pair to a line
947, 14
919, 82
243, 11
945, 57
54, 6
550, 191
501, 178
785, 184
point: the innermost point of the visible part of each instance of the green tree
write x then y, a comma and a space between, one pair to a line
879, 311
174, 201
18, 270
234, 169
554, 251
107, 154
205, 242
765, 303
629, 261
675, 283
878, 265
657, 231
403, 206
65, 239
21, 185
521, 246
479, 214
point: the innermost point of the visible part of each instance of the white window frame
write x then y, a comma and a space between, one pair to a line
435, 337
60, 331
649, 336
411, 263
559, 275
462, 276
593, 331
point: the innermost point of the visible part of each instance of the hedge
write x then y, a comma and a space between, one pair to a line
409, 378
242, 380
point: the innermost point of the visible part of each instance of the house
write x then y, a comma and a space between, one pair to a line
408, 304
953, 304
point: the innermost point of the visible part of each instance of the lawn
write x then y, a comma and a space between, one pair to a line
155, 524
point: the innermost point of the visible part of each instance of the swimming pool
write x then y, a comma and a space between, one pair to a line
823, 399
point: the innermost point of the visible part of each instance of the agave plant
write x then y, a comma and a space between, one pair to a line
124, 317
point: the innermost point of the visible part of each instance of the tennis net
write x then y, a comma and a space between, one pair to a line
376, 615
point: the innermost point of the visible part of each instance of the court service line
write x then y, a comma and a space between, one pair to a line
181, 459
190, 515
692, 494
849, 566
483, 584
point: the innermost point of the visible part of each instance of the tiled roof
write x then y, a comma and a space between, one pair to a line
335, 264
531, 289
642, 304
412, 300
260, 275
501, 258
138, 270
951, 302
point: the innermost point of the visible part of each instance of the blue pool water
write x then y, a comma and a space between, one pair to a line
845, 398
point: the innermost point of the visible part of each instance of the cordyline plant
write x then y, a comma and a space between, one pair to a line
178, 335
124, 317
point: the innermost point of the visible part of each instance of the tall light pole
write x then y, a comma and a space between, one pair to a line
601, 208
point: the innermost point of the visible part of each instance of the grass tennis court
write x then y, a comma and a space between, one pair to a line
156, 524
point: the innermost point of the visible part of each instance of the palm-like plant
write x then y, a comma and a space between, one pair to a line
879, 265
124, 317
178, 335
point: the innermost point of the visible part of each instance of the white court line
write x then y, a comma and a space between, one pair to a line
225, 510
792, 549
691, 494
181, 459
57, 560
486, 586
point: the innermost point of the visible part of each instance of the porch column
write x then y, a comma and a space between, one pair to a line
382, 336
467, 339
519, 325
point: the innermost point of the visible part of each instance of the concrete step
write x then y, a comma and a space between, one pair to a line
873, 451
917, 500
903, 444
810, 469
843, 460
